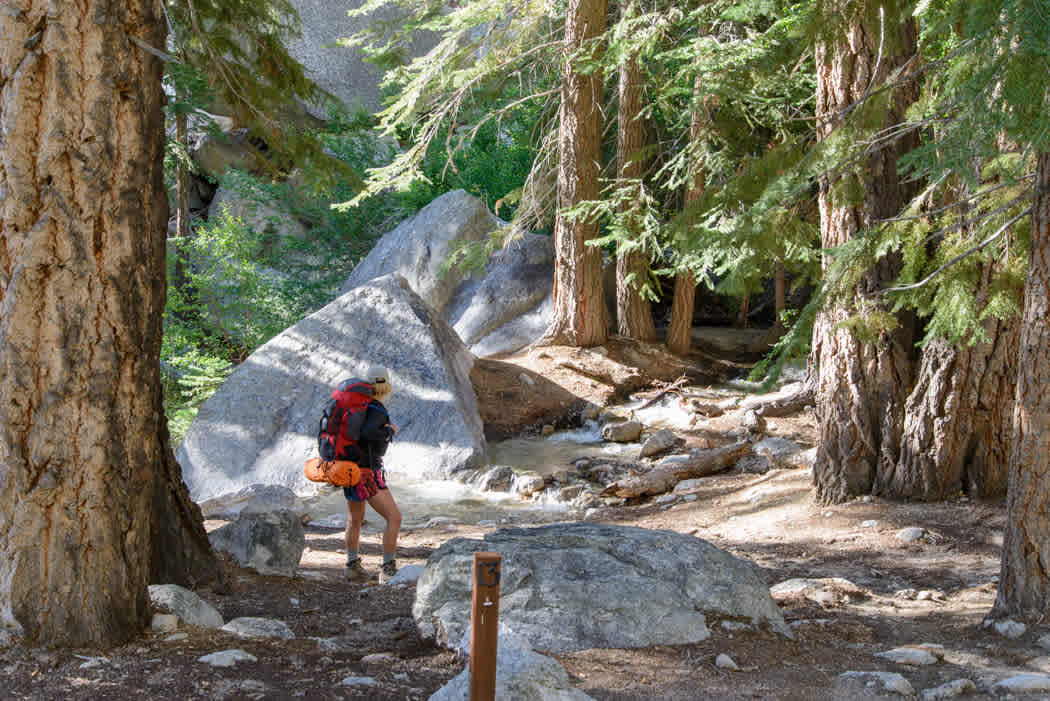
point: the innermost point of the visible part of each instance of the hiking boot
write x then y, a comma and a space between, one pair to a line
355, 572
387, 572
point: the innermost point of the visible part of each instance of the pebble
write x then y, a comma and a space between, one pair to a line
176, 637
1044, 642
950, 690
869, 524
726, 662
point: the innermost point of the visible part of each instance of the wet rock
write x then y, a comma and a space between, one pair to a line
659, 442
622, 432
527, 484
498, 479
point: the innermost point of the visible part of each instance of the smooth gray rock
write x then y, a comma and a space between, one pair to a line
337, 69
521, 674
576, 586
891, 682
254, 627
253, 499
419, 246
950, 690
227, 658
780, 452
190, 608
269, 542
261, 426
500, 309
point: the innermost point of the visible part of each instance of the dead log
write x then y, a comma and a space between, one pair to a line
671, 471
781, 406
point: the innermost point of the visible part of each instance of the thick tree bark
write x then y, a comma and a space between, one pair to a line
860, 388
579, 317
634, 316
83, 442
1024, 579
958, 420
679, 331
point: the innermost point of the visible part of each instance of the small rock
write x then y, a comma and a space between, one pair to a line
379, 657
891, 681
547, 430
690, 497
930, 595
622, 432
665, 498
950, 690
726, 662
176, 637
227, 658
688, 485
358, 681
529, 483
734, 626
406, 575
913, 656
1025, 683
869, 524
661, 441
164, 622
1044, 642
1010, 629
909, 594
910, 535
754, 464
252, 627
526, 380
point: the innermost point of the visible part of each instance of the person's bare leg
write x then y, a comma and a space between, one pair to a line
384, 505
356, 517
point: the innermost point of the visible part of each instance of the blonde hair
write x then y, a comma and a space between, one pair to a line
379, 378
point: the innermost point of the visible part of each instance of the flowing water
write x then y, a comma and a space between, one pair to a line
420, 502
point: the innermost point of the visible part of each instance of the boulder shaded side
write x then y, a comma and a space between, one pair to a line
261, 425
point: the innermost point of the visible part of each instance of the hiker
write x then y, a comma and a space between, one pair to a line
376, 433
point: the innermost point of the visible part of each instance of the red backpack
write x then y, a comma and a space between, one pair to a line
342, 420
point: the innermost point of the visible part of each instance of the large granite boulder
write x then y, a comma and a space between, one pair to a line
261, 425
568, 587
337, 69
503, 308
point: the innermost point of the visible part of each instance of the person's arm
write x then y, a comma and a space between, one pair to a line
377, 425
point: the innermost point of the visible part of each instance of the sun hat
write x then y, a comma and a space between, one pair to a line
379, 377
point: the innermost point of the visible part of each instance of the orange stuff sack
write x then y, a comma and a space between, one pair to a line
341, 473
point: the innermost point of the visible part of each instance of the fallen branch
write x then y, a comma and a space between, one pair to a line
782, 406
673, 470
677, 384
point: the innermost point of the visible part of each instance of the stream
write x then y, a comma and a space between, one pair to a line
422, 502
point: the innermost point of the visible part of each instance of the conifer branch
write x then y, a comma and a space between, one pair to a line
1002, 230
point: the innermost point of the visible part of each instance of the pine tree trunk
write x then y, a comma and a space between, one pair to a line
679, 331
860, 388
1024, 580
182, 209
82, 285
743, 311
958, 421
634, 317
579, 317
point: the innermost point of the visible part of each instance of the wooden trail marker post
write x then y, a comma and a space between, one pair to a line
484, 626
